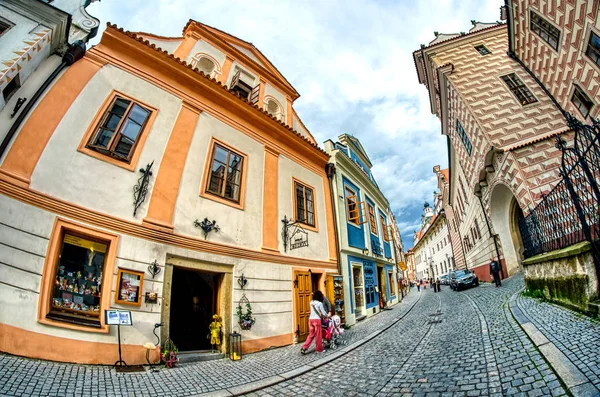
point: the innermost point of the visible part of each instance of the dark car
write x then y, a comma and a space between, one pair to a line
461, 279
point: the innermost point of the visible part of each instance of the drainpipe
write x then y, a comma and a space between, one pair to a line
493, 236
75, 52
330, 170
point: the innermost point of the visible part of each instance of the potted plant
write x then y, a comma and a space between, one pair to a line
169, 354
245, 319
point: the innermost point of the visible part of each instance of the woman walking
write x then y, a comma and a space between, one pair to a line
317, 311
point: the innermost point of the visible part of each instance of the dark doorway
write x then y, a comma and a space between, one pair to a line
314, 277
193, 303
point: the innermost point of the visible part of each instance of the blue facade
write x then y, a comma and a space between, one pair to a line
389, 268
357, 159
387, 248
342, 148
356, 233
370, 281
374, 238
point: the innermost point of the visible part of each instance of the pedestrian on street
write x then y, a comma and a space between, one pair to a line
434, 285
438, 285
418, 286
327, 306
495, 272
317, 312
424, 284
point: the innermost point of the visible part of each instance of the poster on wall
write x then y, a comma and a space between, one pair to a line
117, 317
129, 287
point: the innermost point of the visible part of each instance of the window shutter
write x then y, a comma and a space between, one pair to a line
362, 208
235, 79
255, 94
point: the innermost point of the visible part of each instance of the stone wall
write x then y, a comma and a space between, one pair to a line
566, 276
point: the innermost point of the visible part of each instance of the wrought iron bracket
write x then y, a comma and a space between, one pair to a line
153, 268
207, 226
242, 281
297, 239
18, 105
141, 188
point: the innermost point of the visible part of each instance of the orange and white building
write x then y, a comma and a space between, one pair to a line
212, 119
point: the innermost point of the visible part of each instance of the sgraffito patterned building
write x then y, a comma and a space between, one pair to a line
499, 124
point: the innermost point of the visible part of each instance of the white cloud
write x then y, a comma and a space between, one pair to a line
352, 63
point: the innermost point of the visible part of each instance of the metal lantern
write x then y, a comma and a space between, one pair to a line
235, 346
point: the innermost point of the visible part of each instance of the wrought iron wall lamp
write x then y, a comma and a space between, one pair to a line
141, 188
207, 226
154, 269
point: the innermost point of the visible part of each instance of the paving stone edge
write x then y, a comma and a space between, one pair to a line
574, 380
273, 380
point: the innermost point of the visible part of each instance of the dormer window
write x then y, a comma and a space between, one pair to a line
274, 108
242, 84
206, 64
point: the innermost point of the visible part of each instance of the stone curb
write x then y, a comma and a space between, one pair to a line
576, 382
273, 380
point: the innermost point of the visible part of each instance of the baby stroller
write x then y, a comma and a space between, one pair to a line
332, 332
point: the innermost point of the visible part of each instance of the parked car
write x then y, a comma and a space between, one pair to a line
444, 279
461, 279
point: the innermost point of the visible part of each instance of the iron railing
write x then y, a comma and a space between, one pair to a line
569, 213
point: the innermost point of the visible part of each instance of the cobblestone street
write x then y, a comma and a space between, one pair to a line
446, 344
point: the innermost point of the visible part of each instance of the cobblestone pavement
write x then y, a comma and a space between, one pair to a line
26, 377
577, 336
477, 349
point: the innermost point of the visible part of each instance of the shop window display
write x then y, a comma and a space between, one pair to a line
78, 281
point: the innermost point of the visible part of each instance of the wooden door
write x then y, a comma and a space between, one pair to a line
303, 287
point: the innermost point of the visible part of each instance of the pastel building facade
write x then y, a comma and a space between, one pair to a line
367, 258
154, 176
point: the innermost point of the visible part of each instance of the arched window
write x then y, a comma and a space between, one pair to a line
206, 64
274, 108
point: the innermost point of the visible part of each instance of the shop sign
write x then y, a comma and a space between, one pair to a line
402, 266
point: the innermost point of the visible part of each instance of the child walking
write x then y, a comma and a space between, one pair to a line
317, 311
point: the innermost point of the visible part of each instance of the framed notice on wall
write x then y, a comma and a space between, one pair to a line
129, 287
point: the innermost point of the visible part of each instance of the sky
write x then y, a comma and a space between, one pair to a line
351, 61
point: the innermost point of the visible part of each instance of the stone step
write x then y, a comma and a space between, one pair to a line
199, 355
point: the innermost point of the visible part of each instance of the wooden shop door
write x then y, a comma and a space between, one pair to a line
303, 287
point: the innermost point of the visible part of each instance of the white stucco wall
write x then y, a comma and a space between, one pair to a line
275, 93
298, 126
202, 46
13, 39
238, 227
289, 169
24, 238
103, 186
248, 53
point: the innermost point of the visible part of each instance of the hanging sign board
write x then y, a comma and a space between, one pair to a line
402, 266
117, 317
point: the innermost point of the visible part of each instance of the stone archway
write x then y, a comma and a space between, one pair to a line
504, 214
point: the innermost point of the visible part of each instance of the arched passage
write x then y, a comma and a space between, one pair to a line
504, 213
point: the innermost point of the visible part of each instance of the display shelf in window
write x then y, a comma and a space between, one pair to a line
78, 280
338, 297
129, 287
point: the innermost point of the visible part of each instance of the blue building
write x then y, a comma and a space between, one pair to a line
365, 233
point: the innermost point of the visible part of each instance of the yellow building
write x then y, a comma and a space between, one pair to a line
180, 155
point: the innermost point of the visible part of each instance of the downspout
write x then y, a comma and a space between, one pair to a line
75, 52
330, 170
493, 236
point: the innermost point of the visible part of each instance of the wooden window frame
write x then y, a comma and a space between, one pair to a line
520, 91
358, 219
60, 228
136, 150
120, 273
306, 226
372, 219
205, 193
538, 27
583, 99
384, 228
